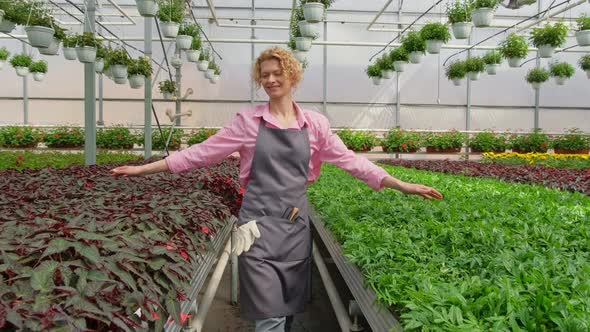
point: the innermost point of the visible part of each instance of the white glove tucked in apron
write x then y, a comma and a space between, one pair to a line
245, 237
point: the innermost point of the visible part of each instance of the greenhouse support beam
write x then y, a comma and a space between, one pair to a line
379, 14
122, 11
25, 93
203, 307
468, 106
537, 91
179, 87
147, 90
544, 18
252, 25
100, 121
325, 72
252, 54
397, 79
89, 93
335, 300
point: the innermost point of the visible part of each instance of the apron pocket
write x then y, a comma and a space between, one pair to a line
281, 240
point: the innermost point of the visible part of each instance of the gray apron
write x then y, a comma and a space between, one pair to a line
274, 272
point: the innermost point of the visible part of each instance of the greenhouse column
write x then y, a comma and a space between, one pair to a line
468, 107
325, 79
89, 93
25, 93
100, 121
252, 51
397, 73
178, 86
537, 91
147, 124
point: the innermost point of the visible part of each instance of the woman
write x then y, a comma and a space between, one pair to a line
281, 150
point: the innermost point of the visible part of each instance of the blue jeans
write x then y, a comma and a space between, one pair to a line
275, 324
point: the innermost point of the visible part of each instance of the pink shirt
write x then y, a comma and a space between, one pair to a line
240, 136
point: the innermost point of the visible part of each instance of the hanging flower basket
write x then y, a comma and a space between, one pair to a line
473, 75
99, 65
482, 17
303, 43
546, 51
300, 55
147, 8
514, 62
492, 69
377, 80
184, 42
22, 71
310, 30
313, 12
433, 46
136, 81
169, 29
70, 53
39, 36
2, 63
193, 55
214, 79
7, 26
588, 73
119, 72
1, 15
461, 30
399, 66
416, 57
86, 54
457, 81
203, 65
51, 49
387, 74
176, 62
209, 73
39, 77
120, 80
536, 86
560, 80
583, 37
167, 95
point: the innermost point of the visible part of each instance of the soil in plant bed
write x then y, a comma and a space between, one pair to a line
472, 150
24, 146
564, 151
398, 151
431, 149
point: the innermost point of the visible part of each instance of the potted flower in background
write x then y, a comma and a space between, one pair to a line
38, 69
314, 10
186, 32
459, 14
447, 142
492, 60
86, 47
548, 38
400, 57
118, 61
4, 54
69, 47
398, 140
101, 54
474, 66
192, 55
374, 73
15, 12
584, 63
456, 71
147, 8
573, 142
39, 27
21, 63
561, 71
583, 33
386, 65
301, 43
482, 14
415, 45
203, 63
210, 69
488, 141
357, 140
170, 14
299, 55
308, 29
138, 70
435, 34
537, 76
514, 48
216, 76
167, 88
537, 141
58, 36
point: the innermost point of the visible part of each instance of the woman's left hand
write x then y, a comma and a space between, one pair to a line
422, 190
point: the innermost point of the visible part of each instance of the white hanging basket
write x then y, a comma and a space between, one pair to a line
99, 65
202, 65
546, 51
169, 29
583, 37
1, 15
313, 12
300, 55
416, 57
167, 95
303, 43
176, 62
70, 53
536, 85
514, 62
136, 81
387, 74
457, 81
433, 46
492, 69
119, 72
39, 77
2, 63
482, 17
86, 54
184, 42
473, 75
7, 26
209, 73
22, 71
461, 30
559, 80
588, 73
51, 49
120, 80
147, 8
377, 80
193, 55
39, 36
399, 66
311, 30
214, 79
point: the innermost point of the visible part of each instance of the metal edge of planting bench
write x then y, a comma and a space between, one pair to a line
380, 319
203, 272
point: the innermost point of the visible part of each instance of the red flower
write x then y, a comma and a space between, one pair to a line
169, 247
56, 136
205, 230
228, 180
184, 316
19, 158
242, 191
183, 254
88, 185
155, 316
180, 296
410, 142
404, 145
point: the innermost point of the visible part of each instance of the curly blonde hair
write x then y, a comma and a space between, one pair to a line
288, 63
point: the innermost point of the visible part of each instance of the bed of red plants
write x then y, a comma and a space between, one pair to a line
560, 178
83, 250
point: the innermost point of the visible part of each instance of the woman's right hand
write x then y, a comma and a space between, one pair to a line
127, 171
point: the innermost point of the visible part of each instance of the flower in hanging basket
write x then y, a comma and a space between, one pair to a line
38, 67
399, 140
474, 64
561, 69
140, 66
553, 35
514, 46
584, 64
171, 10
488, 141
456, 71
435, 31
459, 11
167, 86
21, 60
492, 58
4, 54
413, 42
86, 39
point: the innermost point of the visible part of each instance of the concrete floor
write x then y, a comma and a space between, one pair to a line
318, 317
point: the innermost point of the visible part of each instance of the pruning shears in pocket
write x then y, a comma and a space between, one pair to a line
290, 213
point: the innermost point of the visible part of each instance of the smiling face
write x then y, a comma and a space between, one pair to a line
274, 79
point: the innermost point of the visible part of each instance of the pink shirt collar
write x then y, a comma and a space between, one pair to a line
264, 112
